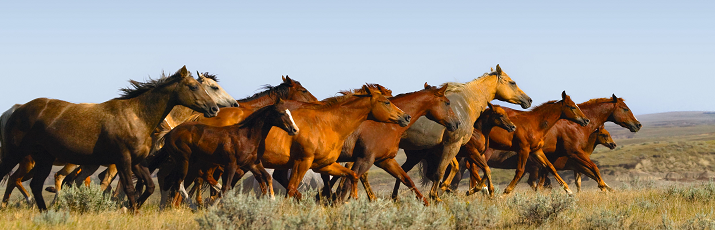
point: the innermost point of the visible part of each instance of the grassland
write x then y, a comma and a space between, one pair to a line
662, 176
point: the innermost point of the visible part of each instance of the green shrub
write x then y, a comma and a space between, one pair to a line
471, 215
607, 219
240, 211
637, 183
84, 199
52, 218
704, 192
698, 222
540, 208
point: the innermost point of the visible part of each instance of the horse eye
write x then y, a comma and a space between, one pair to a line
214, 87
625, 109
193, 87
447, 102
512, 83
387, 103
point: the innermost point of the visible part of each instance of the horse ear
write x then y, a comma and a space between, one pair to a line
563, 95
615, 99
288, 80
279, 101
499, 71
283, 78
427, 86
492, 69
201, 76
183, 72
489, 104
440, 92
367, 90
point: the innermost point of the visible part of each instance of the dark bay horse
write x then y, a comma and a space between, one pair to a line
117, 131
324, 128
232, 146
527, 141
377, 143
208, 82
468, 100
568, 139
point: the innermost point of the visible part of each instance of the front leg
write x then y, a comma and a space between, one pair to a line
143, 175
300, 167
449, 152
522, 156
392, 167
336, 169
541, 158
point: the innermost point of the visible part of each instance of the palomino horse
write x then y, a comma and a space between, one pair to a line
377, 142
208, 83
468, 100
527, 140
117, 131
324, 128
568, 139
231, 146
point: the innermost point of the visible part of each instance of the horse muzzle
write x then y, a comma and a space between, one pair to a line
583, 121
525, 102
510, 128
292, 131
611, 145
211, 112
452, 126
635, 127
404, 120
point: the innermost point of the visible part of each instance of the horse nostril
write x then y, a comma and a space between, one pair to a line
639, 125
235, 104
214, 109
408, 117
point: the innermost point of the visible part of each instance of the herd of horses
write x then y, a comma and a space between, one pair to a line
193, 132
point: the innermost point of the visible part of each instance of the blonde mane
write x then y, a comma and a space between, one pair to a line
347, 95
458, 87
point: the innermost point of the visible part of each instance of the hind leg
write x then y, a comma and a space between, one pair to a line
86, 171
449, 152
60, 175
539, 155
143, 174
413, 157
16, 179
392, 167
453, 171
43, 166
336, 169
110, 174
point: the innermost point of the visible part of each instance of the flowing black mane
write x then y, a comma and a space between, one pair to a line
138, 88
280, 91
255, 116
210, 76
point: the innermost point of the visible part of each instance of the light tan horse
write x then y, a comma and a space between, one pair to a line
468, 100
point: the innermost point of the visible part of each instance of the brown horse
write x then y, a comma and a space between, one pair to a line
81, 174
468, 100
527, 141
289, 89
232, 146
324, 128
114, 132
474, 150
568, 139
377, 142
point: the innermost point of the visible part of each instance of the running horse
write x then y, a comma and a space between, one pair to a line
468, 100
117, 131
208, 82
528, 139
232, 146
377, 143
324, 128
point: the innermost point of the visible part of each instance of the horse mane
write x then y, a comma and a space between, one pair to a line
346, 95
457, 86
278, 91
253, 117
138, 88
548, 103
210, 76
599, 101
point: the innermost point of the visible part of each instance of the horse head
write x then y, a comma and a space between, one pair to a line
210, 84
189, 93
508, 91
297, 91
497, 116
281, 117
571, 111
440, 110
603, 137
623, 116
382, 109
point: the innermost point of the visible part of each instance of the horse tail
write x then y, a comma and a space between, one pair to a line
4, 118
424, 167
157, 159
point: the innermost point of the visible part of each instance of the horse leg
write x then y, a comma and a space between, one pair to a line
577, 179
16, 178
300, 167
392, 167
124, 167
539, 155
336, 169
407, 166
142, 173
454, 170
591, 170
86, 171
110, 174
265, 179
449, 152
533, 177
43, 166
359, 167
473, 178
544, 181
522, 157
368, 189
59, 177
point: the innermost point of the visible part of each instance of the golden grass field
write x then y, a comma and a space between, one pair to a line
662, 178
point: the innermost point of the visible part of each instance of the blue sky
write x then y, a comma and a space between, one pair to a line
657, 55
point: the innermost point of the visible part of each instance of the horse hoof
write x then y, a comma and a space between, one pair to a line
51, 189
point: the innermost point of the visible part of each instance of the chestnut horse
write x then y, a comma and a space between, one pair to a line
468, 100
568, 139
528, 139
324, 128
232, 146
114, 132
376, 142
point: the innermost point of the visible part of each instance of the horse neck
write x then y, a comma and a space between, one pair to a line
259, 102
598, 113
179, 114
347, 116
477, 93
591, 144
152, 106
484, 127
544, 117
415, 104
